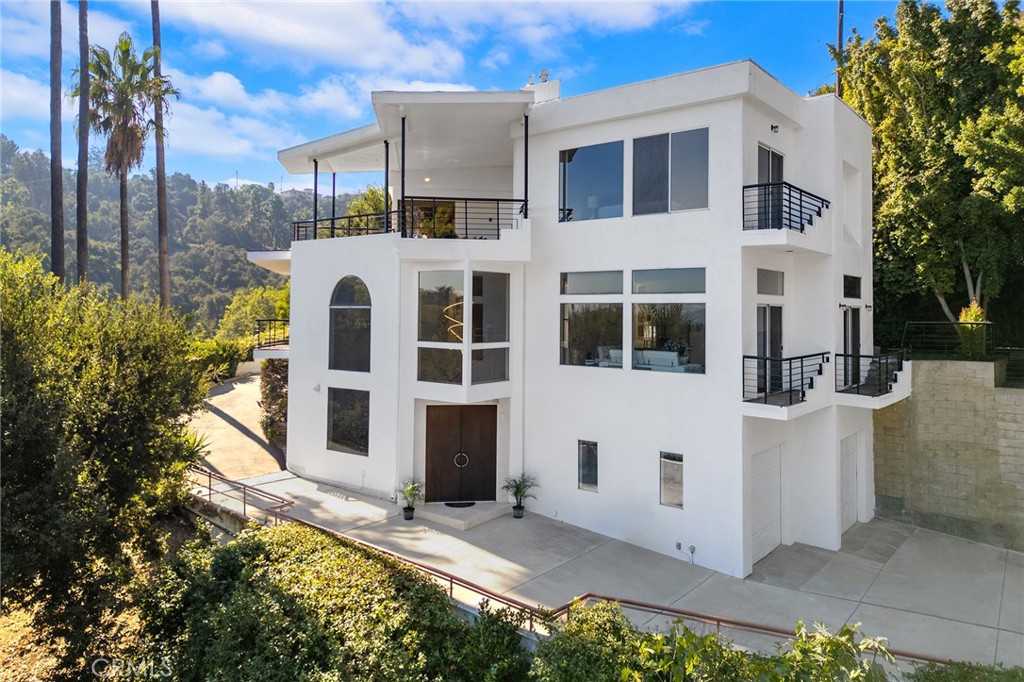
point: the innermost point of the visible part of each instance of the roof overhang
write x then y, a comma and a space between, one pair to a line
443, 129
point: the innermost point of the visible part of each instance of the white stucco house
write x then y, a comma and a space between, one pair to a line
654, 298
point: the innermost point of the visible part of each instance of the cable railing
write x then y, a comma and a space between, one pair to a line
422, 217
271, 332
780, 205
780, 381
870, 375
536, 619
949, 340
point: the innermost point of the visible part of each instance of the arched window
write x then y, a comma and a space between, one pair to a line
350, 326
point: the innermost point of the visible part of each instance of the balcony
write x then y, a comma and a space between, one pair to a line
423, 218
770, 383
271, 339
780, 205
871, 381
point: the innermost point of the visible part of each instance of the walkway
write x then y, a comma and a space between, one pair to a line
927, 592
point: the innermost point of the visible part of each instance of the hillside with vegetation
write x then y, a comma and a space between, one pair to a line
211, 228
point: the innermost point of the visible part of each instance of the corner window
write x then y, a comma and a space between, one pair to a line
587, 452
440, 365
670, 172
350, 326
851, 286
771, 282
590, 182
669, 337
440, 312
592, 334
348, 421
671, 479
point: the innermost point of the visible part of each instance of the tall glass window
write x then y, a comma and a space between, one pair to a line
350, 326
670, 172
590, 182
490, 307
587, 453
348, 421
592, 334
441, 300
669, 337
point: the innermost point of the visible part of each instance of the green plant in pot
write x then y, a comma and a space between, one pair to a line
519, 487
412, 492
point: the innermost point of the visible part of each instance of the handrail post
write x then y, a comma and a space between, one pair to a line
244, 511
209, 486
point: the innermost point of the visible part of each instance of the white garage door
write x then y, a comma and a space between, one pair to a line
848, 480
766, 487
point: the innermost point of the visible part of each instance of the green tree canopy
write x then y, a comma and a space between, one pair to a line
943, 95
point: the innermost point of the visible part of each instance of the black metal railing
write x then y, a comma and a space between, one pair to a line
780, 205
423, 217
949, 340
271, 333
780, 381
870, 375
1014, 371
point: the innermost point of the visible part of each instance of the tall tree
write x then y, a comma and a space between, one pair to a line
122, 88
82, 181
56, 165
161, 173
925, 84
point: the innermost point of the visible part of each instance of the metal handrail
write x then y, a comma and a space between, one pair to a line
536, 619
871, 375
271, 332
780, 381
279, 507
778, 205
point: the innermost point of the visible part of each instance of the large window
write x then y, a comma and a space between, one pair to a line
348, 421
350, 326
590, 182
669, 337
587, 453
592, 334
490, 326
670, 172
441, 295
671, 479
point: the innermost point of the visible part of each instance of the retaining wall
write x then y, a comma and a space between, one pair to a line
951, 457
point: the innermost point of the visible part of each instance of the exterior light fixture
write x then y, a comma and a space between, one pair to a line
426, 179
775, 128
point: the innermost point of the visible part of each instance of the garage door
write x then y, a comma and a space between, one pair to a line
766, 486
848, 480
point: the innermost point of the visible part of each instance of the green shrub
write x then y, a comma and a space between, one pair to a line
274, 399
684, 654
218, 358
596, 644
821, 656
972, 336
292, 603
965, 672
492, 649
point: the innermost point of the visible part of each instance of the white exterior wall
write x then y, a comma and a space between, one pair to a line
545, 408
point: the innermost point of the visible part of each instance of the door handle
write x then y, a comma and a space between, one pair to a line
465, 460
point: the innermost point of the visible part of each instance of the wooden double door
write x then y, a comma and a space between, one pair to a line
461, 453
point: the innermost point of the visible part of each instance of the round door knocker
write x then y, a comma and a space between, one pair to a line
464, 461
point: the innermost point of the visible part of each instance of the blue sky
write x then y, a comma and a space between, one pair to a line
259, 76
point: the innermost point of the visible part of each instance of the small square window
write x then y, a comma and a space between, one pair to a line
770, 282
672, 480
851, 286
587, 465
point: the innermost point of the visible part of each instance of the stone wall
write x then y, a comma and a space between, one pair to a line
951, 457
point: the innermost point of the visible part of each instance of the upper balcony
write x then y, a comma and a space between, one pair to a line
782, 388
423, 218
272, 337
782, 215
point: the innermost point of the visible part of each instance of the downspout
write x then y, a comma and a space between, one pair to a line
526, 166
387, 204
316, 175
401, 200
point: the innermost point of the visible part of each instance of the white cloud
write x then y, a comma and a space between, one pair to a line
695, 27
225, 90
351, 34
349, 96
210, 49
495, 58
26, 30
25, 97
211, 132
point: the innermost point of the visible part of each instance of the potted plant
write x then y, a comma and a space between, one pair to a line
519, 487
411, 491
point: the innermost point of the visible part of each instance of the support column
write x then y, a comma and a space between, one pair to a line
526, 166
387, 212
401, 202
334, 195
316, 176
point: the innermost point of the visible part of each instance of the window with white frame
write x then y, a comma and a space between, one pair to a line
668, 335
587, 453
671, 471
350, 326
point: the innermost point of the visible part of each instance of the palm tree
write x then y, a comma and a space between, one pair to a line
56, 164
122, 89
82, 184
161, 173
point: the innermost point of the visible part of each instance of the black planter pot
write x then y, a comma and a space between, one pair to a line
517, 511
408, 512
